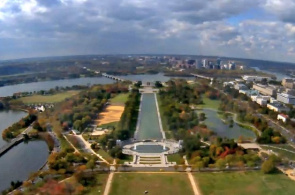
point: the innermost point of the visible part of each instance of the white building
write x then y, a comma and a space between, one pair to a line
249, 92
230, 83
265, 89
261, 101
239, 86
277, 107
283, 117
204, 63
286, 98
40, 108
250, 78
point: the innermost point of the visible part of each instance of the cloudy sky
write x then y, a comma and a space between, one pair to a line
260, 29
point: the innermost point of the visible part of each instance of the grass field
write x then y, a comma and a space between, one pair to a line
105, 155
168, 133
48, 98
175, 158
107, 125
154, 183
120, 99
244, 183
208, 103
101, 180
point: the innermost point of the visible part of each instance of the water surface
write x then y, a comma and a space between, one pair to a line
7, 118
149, 127
21, 161
222, 129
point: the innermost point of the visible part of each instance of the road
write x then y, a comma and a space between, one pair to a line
285, 132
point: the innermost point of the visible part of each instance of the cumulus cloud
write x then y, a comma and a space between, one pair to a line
64, 27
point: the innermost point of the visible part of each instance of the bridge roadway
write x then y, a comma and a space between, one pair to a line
202, 76
112, 77
14, 141
8, 146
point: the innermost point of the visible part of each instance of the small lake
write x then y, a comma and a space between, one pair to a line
21, 161
222, 129
46, 85
7, 118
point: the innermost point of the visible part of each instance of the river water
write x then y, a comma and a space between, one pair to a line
7, 118
21, 161
46, 85
222, 129
278, 75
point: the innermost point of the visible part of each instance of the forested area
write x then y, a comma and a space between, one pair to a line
78, 112
175, 104
223, 153
4, 104
127, 124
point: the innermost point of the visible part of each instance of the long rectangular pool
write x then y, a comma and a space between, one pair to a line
149, 127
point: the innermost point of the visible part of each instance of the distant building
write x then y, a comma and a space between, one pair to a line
239, 86
230, 83
231, 65
290, 91
277, 107
286, 98
261, 101
40, 108
283, 117
265, 89
249, 92
250, 78
288, 83
204, 63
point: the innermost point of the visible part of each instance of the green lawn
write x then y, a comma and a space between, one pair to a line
154, 183
208, 103
169, 134
48, 98
101, 180
105, 155
175, 158
244, 183
120, 99
106, 126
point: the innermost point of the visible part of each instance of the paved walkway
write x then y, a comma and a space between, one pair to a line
76, 150
109, 183
88, 147
193, 183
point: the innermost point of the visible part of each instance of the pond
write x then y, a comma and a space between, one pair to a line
149, 127
150, 149
222, 129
